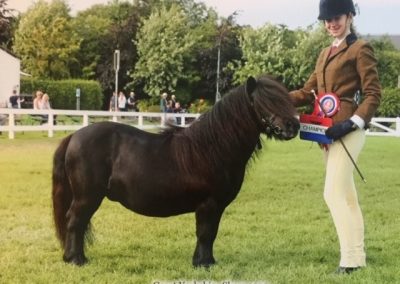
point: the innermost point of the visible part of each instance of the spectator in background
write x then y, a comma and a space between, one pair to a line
113, 101
173, 102
163, 103
37, 102
15, 100
45, 104
132, 102
169, 107
121, 102
178, 109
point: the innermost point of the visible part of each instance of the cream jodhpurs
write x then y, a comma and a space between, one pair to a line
341, 197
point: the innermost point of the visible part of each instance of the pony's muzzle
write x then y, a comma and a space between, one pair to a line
292, 129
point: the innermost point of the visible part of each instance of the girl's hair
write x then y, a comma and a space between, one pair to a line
352, 29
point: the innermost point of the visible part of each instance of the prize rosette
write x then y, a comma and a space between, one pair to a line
313, 126
329, 102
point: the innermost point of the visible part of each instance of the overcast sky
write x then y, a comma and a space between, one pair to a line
376, 16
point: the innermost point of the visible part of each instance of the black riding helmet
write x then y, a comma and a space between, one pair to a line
329, 9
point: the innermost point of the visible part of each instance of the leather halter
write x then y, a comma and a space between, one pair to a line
270, 127
267, 122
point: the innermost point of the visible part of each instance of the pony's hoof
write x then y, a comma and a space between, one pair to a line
204, 264
77, 260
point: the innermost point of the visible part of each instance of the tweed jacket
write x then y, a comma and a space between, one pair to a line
352, 68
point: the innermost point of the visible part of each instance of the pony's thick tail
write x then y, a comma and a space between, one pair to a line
62, 194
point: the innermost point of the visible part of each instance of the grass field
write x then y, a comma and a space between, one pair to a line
278, 230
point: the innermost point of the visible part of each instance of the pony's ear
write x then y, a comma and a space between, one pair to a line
251, 85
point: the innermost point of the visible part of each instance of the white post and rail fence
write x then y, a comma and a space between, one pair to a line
21, 120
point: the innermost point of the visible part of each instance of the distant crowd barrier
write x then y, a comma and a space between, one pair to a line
20, 120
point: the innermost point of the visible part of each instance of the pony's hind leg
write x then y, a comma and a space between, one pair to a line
208, 216
78, 216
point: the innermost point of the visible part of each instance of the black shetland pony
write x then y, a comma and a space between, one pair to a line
195, 169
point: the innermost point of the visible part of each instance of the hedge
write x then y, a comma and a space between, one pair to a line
63, 93
390, 103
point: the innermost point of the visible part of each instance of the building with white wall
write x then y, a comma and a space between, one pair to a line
9, 76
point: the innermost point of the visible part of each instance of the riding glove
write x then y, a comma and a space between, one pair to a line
340, 129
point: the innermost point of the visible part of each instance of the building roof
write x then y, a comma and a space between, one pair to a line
9, 52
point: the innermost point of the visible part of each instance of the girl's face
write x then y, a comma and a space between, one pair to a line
339, 26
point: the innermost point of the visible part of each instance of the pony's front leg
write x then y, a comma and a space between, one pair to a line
208, 216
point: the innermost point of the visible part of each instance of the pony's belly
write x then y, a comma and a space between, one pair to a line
156, 206
160, 208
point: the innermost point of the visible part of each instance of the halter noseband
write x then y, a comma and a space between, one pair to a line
269, 126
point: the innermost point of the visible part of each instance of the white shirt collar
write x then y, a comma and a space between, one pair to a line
338, 41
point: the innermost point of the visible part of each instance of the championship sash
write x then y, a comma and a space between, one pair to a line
313, 126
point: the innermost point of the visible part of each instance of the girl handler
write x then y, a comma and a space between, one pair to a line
345, 68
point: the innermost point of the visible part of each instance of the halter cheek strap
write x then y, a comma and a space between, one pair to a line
267, 122
270, 127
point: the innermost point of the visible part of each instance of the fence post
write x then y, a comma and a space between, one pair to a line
50, 125
85, 120
163, 119
11, 125
398, 126
140, 121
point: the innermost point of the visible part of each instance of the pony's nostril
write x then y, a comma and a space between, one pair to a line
293, 125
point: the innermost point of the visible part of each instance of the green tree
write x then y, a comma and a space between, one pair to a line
225, 37
388, 61
103, 29
7, 22
45, 40
124, 28
265, 50
276, 50
390, 103
92, 26
305, 52
163, 42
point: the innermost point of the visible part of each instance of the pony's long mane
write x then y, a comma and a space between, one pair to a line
230, 131
220, 135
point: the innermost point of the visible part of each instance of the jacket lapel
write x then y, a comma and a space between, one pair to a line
350, 39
